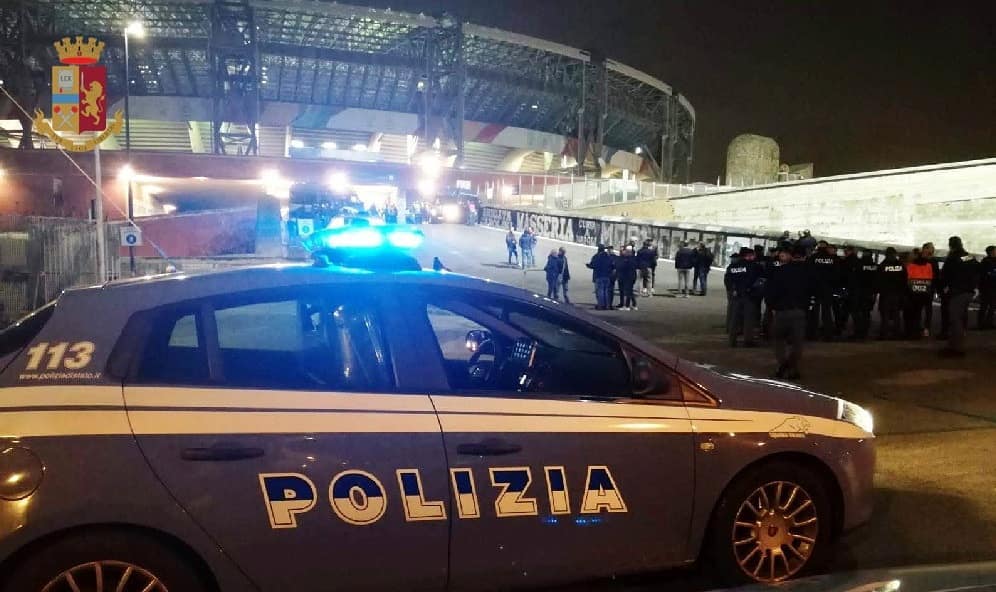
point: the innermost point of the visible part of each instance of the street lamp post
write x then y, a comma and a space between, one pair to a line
133, 29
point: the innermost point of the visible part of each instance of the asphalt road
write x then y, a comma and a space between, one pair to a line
935, 418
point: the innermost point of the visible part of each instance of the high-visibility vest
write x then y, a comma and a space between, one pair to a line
920, 276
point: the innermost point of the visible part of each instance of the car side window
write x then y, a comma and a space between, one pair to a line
511, 347
310, 342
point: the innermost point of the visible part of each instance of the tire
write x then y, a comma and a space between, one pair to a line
765, 551
115, 550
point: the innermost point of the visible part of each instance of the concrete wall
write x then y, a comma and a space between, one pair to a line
902, 206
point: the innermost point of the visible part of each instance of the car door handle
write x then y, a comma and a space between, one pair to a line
221, 453
488, 448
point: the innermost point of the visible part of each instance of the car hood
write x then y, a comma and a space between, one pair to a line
749, 393
969, 577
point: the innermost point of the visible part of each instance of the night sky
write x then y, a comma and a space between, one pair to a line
850, 86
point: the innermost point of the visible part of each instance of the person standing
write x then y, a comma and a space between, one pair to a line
825, 269
807, 242
646, 263
703, 265
510, 243
773, 261
684, 262
919, 294
787, 295
626, 267
565, 274
849, 266
554, 268
987, 290
601, 273
961, 278
741, 280
891, 290
734, 258
863, 286
614, 277
927, 251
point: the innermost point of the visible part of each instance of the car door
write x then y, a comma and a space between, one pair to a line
572, 478
278, 420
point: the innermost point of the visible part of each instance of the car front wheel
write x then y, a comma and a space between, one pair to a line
104, 560
774, 523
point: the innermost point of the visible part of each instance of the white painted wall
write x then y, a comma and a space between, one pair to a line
904, 206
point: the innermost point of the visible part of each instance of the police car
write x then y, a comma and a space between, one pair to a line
329, 428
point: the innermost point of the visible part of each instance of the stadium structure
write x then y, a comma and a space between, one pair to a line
321, 80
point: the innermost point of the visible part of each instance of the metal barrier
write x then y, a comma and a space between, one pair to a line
40, 257
723, 241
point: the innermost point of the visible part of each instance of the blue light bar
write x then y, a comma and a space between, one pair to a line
355, 238
405, 238
360, 238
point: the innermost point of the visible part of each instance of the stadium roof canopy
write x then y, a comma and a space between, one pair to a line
328, 54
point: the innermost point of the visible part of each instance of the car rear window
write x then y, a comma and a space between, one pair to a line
17, 336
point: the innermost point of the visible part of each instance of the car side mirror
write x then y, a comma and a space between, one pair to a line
649, 380
478, 339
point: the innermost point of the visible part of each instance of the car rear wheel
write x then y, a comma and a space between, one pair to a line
105, 560
773, 524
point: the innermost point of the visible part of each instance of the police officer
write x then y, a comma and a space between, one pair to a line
961, 278
919, 295
849, 266
987, 289
891, 290
863, 286
787, 294
734, 258
771, 262
825, 271
741, 282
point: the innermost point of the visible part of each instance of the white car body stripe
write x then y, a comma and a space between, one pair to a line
182, 410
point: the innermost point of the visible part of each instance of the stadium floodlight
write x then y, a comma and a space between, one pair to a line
638, 150
534, 106
135, 29
297, 144
338, 182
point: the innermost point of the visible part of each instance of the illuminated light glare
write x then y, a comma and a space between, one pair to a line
200, 178
430, 164
451, 212
427, 187
360, 238
329, 145
126, 174
638, 150
534, 106
135, 29
169, 208
269, 176
297, 144
643, 426
338, 181
507, 190
359, 147
15, 478
404, 239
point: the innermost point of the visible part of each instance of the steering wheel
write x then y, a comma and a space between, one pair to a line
482, 372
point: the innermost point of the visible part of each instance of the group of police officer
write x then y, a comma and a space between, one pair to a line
809, 292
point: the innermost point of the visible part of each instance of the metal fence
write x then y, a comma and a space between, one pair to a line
723, 241
41, 257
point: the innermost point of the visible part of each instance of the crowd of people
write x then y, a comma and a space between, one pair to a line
809, 291
800, 290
